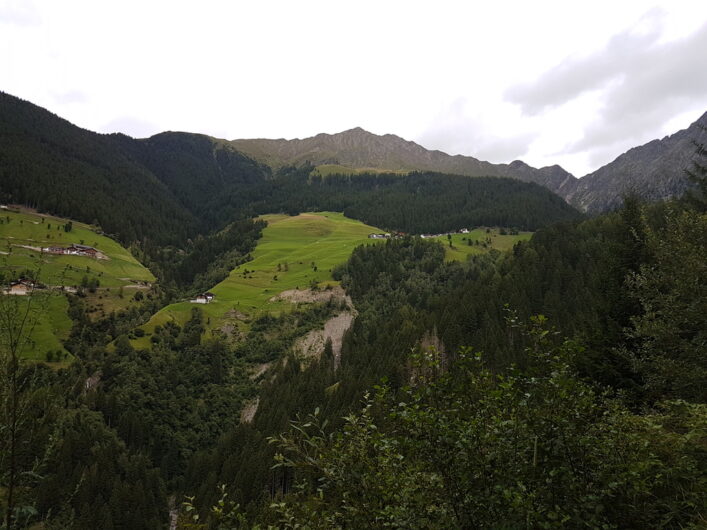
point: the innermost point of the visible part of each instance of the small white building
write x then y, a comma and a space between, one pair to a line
203, 298
20, 287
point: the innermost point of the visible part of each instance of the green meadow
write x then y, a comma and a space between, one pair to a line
461, 249
23, 233
325, 170
48, 323
25, 229
293, 253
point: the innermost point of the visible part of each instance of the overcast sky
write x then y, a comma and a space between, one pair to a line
573, 83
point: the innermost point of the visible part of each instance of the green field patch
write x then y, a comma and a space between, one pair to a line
22, 236
46, 324
482, 240
21, 230
325, 170
293, 253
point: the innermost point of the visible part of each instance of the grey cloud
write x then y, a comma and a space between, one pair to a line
670, 79
644, 83
575, 76
456, 133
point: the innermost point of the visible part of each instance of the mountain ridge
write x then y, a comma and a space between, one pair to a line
196, 177
655, 170
359, 148
166, 190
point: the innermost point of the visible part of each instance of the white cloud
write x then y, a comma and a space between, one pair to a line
294, 69
643, 84
132, 126
19, 13
70, 96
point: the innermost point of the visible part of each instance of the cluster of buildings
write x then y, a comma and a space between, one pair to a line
394, 235
73, 250
23, 287
423, 236
428, 236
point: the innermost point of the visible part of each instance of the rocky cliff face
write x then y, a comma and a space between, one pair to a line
654, 171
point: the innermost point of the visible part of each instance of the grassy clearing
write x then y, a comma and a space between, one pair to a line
326, 170
21, 229
461, 250
294, 252
47, 323
33, 230
26, 229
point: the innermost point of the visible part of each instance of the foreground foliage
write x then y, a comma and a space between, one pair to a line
468, 448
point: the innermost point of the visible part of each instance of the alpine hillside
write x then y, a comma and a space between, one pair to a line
357, 148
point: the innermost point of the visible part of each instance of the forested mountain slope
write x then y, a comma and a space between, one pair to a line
207, 176
574, 405
48, 163
415, 203
165, 188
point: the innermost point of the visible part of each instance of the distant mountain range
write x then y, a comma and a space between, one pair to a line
654, 171
167, 190
176, 185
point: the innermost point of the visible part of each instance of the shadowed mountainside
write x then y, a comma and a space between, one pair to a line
164, 188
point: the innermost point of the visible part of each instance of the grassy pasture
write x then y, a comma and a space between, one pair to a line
461, 249
326, 170
47, 320
285, 258
22, 229
34, 230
